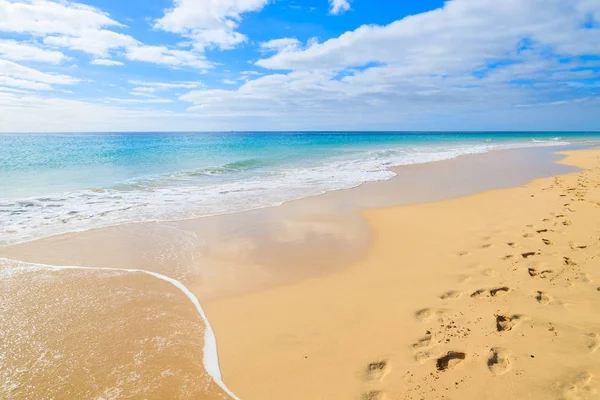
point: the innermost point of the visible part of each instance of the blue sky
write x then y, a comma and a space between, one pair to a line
193, 65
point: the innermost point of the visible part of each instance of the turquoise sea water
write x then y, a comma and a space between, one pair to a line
55, 183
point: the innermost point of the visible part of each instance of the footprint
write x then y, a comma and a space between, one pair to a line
425, 341
463, 253
547, 242
567, 223
543, 298
499, 362
377, 370
487, 246
424, 315
528, 254
579, 387
450, 360
373, 395
424, 356
452, 294
594, 343
478, 293
533, 272
569, 261
499, 291
528, 235
542, 231
504, 323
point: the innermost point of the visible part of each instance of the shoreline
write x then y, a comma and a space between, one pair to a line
302, 227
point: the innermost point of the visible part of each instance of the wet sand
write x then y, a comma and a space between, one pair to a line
325, 297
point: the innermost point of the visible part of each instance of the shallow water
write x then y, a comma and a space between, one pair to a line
57, 183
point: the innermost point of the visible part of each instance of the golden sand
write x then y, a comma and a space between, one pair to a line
490, 296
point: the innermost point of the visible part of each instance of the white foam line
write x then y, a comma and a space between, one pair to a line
210, 357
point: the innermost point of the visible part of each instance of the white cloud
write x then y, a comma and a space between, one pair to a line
165, 56
229, 82
464, 34
18, 71
106, 62
16, 51
43, 17
97, 42
142, 94
139, 101
281, 45
209, 22
23, 84
167, 85
337, 7
144, 89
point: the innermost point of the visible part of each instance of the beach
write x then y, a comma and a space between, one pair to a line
487, 296
476, 284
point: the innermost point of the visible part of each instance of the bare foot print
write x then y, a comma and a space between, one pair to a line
499, 362
478, 293
594, 342
543, 298
547, 242
452, 294
533, 272
567, 223
504, 323
499, 291
528, 254
425, 341
450, 360
377, 370
373, 395
542, 231
424, 315
579, 387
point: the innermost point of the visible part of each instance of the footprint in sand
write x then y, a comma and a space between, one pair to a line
578, 387
547, 242
594, 342
450, 360
426, 341
505, 323
567, 223
487, 246
373, 395
528, 254
479, 293
499, 291
543, 298
499, 361
424, 315
533, 272
377, 370
452, 294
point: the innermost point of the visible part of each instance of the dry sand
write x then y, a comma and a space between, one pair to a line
493, 296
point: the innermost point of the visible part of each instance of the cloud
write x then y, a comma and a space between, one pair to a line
464, 34
23, 84
280, 45
166, 85
106, 62
16, 51
337, 7
43, 17
139, 101
165, 56
18, 71
229, 82
209, 23
97, 42
144, 89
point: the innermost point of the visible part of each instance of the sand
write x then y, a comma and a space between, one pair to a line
495, 296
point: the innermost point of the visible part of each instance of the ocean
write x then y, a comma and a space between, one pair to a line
57, 183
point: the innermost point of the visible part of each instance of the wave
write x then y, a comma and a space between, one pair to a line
245, 184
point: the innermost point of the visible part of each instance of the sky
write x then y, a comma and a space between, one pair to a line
247, 65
